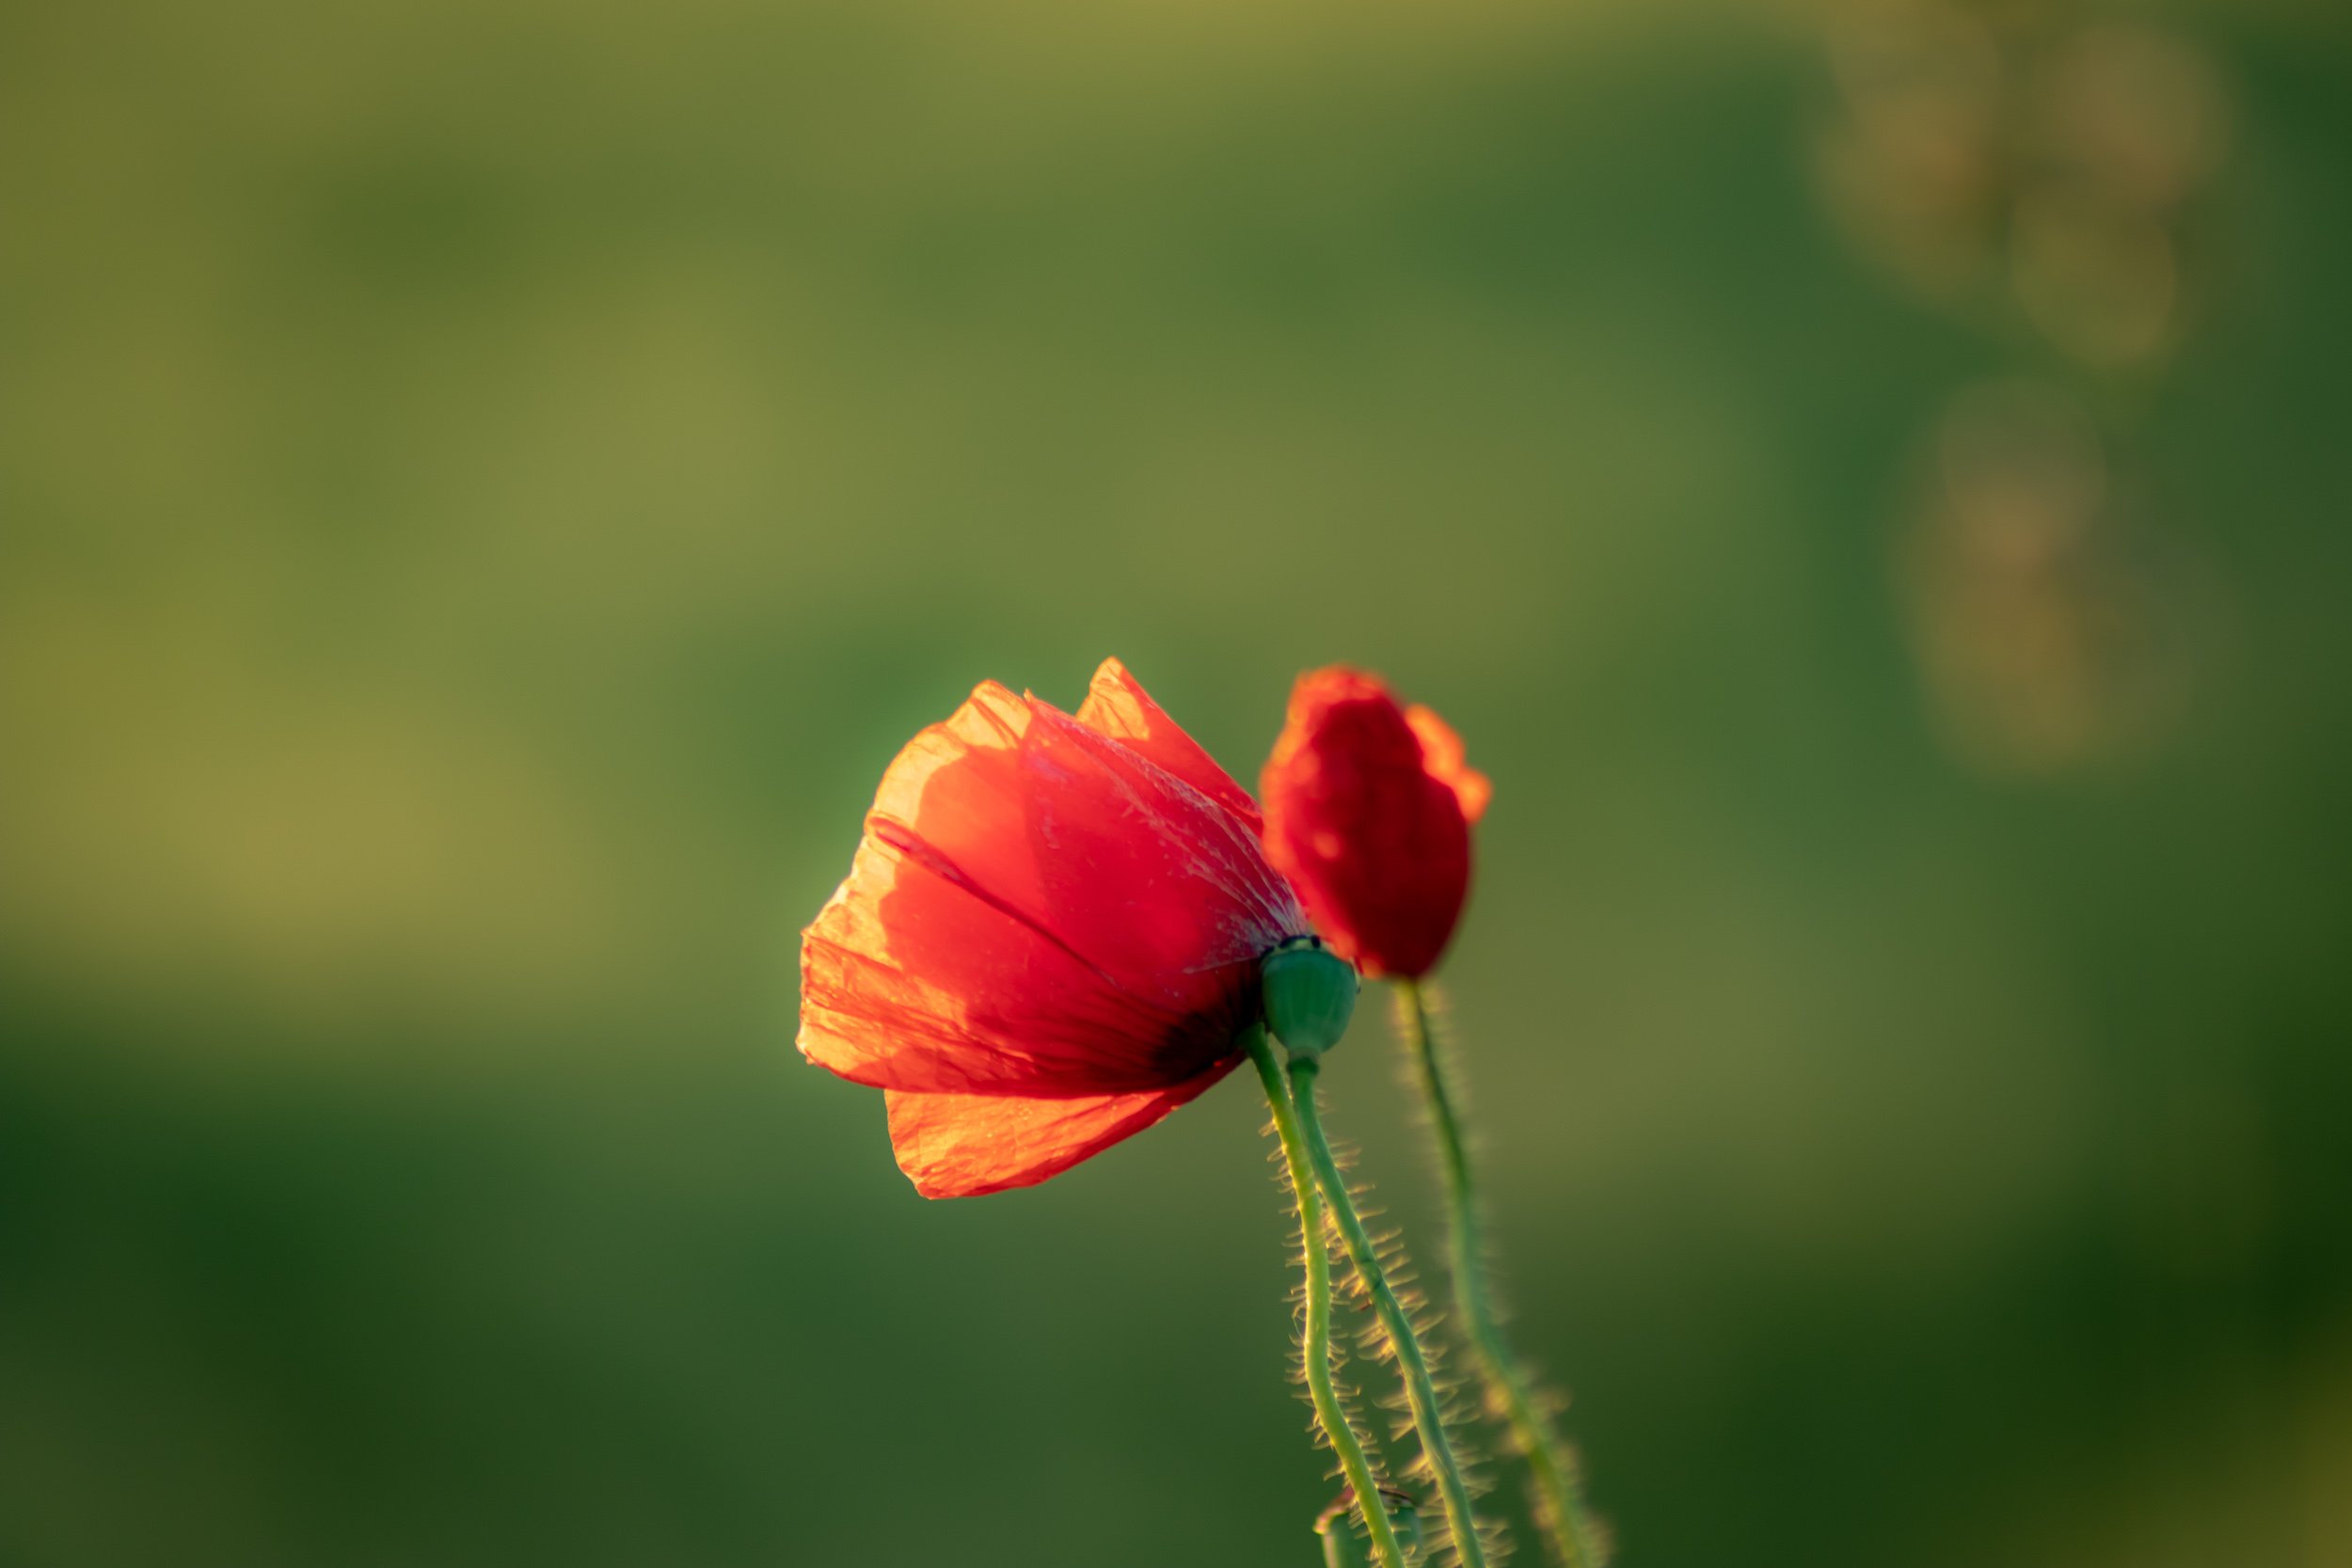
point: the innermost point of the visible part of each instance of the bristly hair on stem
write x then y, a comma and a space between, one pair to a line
1457, 1414
1556, 1494
1375, 1343
1341, 1275
1420, 1393
1331, 1413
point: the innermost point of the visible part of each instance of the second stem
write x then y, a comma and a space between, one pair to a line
1559, 1503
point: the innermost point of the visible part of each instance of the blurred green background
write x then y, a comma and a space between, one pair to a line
487, 488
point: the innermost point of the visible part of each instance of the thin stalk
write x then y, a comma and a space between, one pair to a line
1329, 1414
1557, 1492
1420, 1395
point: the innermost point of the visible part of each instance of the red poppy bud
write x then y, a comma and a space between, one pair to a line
1368, 810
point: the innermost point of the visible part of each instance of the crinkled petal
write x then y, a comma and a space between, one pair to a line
965, 1145
1117, 706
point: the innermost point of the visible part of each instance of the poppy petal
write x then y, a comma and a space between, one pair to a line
1117, 706
965, 1145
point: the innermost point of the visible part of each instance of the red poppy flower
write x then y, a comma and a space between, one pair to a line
1050, 937
1368, 810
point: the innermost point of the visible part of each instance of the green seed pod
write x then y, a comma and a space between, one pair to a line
1309, 995
1341, 1547
1343, 1543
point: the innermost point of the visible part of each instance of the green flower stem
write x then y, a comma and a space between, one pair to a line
1420, 1393
1557, 1493
1329, 1414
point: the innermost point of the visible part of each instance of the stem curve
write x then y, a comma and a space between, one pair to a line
1331, 1415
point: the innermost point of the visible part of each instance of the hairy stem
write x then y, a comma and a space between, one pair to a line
1329, 1414
1557, 1493
1420, 1395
